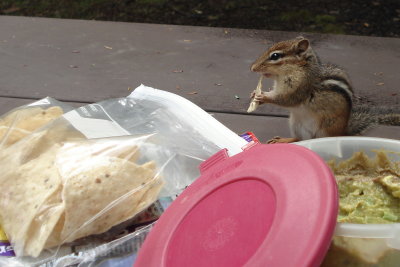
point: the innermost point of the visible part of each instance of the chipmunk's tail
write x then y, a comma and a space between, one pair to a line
364, 118
389, 119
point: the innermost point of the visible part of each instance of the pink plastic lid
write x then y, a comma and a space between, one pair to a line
271, 205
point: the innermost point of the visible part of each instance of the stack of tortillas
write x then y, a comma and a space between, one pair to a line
254, 104
72, 190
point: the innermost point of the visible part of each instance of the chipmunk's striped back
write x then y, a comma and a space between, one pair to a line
335, 79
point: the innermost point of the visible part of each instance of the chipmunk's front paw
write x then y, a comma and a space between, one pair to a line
260, 98
280, 140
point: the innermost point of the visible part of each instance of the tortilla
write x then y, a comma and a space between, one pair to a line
21, 122
54, 238
92, 150
254, 104
150, 196
38, 143
44, 224
110, 191
24, 193
9, 136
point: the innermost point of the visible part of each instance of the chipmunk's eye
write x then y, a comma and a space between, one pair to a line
275, 56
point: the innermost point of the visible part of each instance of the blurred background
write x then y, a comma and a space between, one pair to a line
355, 17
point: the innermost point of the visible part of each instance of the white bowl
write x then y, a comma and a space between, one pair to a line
374, 244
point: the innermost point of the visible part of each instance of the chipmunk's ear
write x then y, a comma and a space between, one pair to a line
301, 45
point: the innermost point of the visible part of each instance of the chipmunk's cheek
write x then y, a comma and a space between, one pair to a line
267, 75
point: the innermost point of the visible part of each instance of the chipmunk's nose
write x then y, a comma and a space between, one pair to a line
253, 67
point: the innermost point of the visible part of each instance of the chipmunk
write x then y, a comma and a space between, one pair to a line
318, 96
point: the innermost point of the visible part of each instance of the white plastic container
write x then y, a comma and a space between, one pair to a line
363, 244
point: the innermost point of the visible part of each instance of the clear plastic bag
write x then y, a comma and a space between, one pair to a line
119, 252
74, 189
177, 124
55, 173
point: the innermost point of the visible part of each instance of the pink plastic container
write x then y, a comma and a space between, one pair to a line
271, 205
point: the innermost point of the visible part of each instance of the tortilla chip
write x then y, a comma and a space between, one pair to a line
254, 104
42, 117
9, 136
72, 153
110, 190
150, 196
54, 238
22, 122
24, 192
38, 143
43, 224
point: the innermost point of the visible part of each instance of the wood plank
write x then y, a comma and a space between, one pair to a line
392, 132
7, 104
264, 127
89, 61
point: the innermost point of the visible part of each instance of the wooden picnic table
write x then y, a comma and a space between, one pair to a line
88, 61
